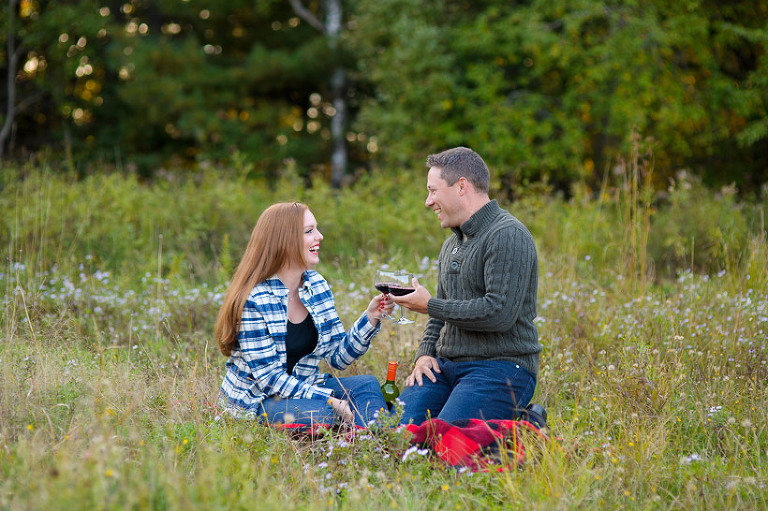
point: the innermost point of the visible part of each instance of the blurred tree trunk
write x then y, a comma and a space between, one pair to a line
332, 29
13, 60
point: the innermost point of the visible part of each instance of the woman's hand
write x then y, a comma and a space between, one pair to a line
381, 304
341, 407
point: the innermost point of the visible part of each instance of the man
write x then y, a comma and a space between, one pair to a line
479, 354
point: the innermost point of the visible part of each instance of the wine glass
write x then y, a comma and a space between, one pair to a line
398, 283
403, 286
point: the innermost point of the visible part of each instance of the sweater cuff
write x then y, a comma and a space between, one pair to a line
426, 348
435, 308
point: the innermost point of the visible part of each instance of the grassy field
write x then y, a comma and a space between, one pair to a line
653, 313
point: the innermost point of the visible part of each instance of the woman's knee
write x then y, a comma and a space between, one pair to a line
370, 381
360, 382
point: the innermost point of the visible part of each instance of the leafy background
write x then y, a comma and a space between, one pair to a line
547, 91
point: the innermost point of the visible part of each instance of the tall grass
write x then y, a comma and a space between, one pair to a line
653, 313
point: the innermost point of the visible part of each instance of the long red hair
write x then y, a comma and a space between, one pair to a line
276, 241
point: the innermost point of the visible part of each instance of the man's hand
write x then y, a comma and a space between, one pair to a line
425, 366
416, 301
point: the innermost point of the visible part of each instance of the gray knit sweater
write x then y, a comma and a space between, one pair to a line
486, 293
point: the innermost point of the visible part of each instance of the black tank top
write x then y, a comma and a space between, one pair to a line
300, 340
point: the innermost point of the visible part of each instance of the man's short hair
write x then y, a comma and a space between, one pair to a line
461, 162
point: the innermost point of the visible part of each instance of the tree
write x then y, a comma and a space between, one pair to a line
554, 90
212, 80
154, 84
332, 30
12, 57
60, 79
547, 91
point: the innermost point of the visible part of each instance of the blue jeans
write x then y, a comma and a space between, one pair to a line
362, 391
484, 389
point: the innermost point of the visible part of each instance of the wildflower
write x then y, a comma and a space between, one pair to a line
408, 452
414, 449
686, 460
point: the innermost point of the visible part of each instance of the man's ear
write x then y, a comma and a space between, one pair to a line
463, 183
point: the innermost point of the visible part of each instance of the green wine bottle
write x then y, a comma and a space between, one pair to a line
389, 389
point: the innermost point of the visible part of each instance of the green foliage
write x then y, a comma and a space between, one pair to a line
61, 72
175, 227
553, 91
549, 92
145, 86
413, 94
195, 226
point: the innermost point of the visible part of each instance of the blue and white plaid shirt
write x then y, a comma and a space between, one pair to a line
256, 369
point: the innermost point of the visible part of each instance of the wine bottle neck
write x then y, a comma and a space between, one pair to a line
391, 371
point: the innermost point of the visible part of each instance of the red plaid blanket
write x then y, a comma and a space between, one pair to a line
476, 443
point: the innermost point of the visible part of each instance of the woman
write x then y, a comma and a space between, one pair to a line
279, 320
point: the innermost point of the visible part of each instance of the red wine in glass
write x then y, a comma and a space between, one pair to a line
399, 290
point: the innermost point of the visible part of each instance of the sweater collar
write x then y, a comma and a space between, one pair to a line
481, 219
